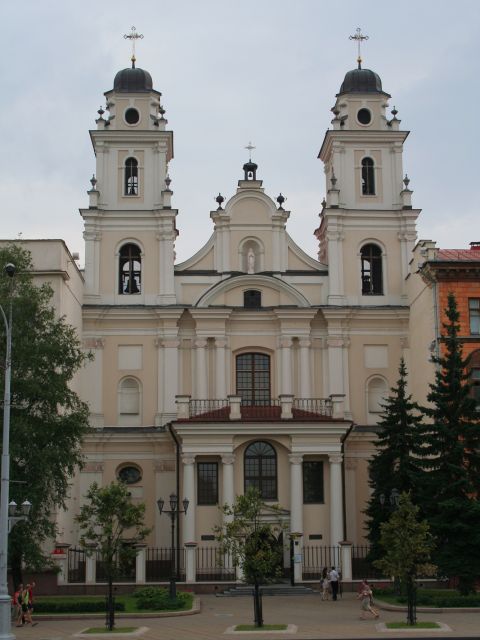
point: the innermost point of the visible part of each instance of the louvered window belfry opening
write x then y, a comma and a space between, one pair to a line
253, 379
372, 279
368, 177
252, 299
130, 269
131, 177
261, 469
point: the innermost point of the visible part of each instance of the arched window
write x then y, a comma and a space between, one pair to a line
131, 177
252, 299
368, 177
260, 469
129, 397
130, 269
253, 378
376, 393
372, 279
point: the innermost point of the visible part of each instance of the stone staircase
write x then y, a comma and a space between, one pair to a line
268, 590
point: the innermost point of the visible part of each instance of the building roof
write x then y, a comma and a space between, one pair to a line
133, 80
458, 255
361, 81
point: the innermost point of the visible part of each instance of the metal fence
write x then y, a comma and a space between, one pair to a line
315, 406
210, 407
124, 570
316, 558
213, 566
159, 564
76, 565
362, 566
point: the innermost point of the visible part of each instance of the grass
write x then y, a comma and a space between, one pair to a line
265, 627
417, 625
98, 630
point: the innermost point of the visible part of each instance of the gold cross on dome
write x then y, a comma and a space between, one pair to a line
359, 37
250, 148
132, 37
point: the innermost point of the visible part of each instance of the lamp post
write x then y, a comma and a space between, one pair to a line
5, 614
173, 513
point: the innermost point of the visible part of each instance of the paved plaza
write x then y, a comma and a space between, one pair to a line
312, 618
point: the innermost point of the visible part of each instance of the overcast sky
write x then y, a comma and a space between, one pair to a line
232, 71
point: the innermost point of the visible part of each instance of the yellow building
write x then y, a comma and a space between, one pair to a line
251, 363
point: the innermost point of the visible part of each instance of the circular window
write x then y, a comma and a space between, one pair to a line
364, 116
132, 116
129, 475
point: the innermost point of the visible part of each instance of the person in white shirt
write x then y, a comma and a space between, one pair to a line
333, 577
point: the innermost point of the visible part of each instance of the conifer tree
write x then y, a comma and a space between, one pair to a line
395, 463
451, 456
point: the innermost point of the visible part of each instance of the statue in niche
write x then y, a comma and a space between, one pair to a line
251, 261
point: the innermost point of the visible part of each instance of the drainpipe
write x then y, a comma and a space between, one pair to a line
344, 504
436, 319
177, 481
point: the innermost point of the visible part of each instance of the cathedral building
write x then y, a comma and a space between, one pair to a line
251, 364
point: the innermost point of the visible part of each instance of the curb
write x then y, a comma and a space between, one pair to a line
386, 606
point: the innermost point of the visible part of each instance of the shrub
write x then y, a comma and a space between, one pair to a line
81, 605
158, 598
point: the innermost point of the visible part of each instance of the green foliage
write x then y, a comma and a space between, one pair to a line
249, 540
441, 598
113, 525
406, 544
158, 599
48, 420
451, 456
395, 463
73, 605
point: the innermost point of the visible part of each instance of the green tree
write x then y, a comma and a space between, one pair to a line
48, 420
406, 544
451, 455
252, 543
111, 524
395, 463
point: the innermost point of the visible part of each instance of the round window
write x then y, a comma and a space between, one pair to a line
132, 116
129, 475
364, 116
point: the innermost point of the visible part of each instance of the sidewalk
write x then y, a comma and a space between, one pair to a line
313, 618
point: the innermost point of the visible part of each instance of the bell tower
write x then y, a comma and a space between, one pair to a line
367, 227
130, 224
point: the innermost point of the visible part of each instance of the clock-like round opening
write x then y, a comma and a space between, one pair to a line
364, 116
129, 474
132, 116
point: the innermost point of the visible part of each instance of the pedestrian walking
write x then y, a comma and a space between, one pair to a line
333, 577
26, 617
30, 588
17, 601
365, 594
325, 584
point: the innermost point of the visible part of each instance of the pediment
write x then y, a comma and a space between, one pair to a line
275, 292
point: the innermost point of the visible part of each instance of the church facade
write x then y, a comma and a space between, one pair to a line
251, 363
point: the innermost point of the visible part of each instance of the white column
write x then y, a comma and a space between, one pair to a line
296, 506
346, 561
336, 499
304, 368
286, 349
188, 462
201, 368
92, 380
170, 374
220, 369
228, 494
140, 564
228, 491
91, 565
335, 365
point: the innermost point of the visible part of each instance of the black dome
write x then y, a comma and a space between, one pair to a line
133, 80
361, 81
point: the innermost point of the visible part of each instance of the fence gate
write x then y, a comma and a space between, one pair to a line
76, 565
315, 559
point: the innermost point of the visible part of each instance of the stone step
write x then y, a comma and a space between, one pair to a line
268, 590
